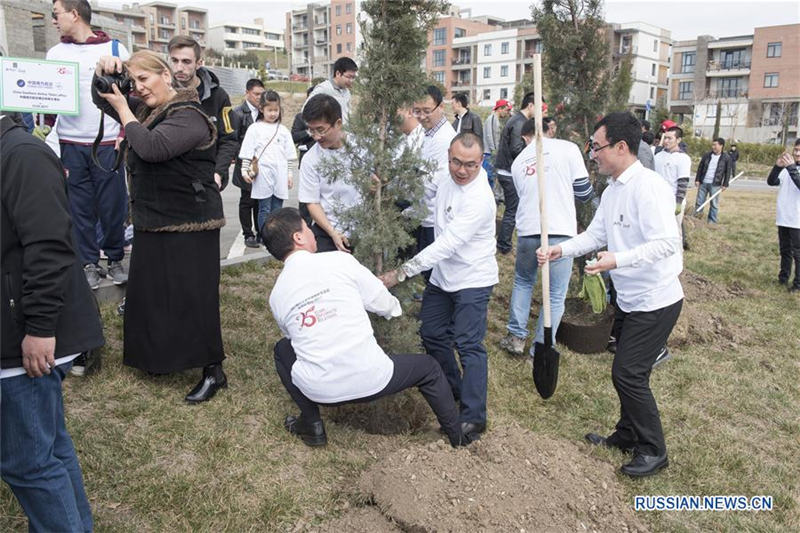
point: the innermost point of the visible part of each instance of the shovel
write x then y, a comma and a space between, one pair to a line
545, 356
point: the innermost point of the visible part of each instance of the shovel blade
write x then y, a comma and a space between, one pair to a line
545, 369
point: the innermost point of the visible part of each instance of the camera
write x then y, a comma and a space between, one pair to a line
103, 84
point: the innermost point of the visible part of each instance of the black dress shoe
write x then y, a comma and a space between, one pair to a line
645, 465
473, 430
207, 387
598, 440
312, 434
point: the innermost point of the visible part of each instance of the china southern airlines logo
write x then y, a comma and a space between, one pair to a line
307, 318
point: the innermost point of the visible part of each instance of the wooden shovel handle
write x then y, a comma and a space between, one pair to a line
537, 91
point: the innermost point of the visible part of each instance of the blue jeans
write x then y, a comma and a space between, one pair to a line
526, 271
489, 168
265, 207
37, 458
704, 191
458, 319
98, 202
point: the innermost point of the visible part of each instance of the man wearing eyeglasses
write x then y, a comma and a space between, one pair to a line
462, 256
96, 196
435, 145
344, 74
326, 199
635, 220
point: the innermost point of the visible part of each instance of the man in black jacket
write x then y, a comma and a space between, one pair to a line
243, 116
713, 173
466, 120
509, 147
185, 56
49, 316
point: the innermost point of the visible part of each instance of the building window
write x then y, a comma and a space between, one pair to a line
733, 59
349, 27
687, 62
487, 49
459, 32
349, 47
728, 87
338, 29
771, 79
487, 94
339, 11
438, 76
338, 48
439, 36
487, 72
348, 8
774, 50
504, 92
711, 110
652, 92
653, 69
504, 71
504, 48
438, 58
655, 46
685, 89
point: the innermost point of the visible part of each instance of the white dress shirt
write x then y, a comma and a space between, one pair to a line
320, 302
463, 253
637, 222
435, 149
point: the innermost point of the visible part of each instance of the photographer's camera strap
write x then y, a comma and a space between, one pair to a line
101, 128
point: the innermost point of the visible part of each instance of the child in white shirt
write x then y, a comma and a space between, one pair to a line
270, 142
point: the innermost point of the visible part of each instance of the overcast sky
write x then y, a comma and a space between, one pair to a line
686, 20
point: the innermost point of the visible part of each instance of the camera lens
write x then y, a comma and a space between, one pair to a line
102, 85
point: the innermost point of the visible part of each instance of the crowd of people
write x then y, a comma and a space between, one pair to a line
179, 136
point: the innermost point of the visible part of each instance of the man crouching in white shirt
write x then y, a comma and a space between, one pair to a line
636, 221
462, 256
329, 354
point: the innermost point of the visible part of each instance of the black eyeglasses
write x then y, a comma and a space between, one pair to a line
56, 14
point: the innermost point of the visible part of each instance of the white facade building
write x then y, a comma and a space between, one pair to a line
233, 38
485, 66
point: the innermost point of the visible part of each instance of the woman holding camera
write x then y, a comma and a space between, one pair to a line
172, 304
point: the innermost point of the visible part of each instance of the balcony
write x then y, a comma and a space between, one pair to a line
299, 27
625, 50
728, 68
727, 93
461, 60
462, 82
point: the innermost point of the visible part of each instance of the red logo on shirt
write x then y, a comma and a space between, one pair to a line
530, 170
307, 318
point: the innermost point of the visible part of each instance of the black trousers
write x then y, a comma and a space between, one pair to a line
640, 337
425, 237
421, 371
789, 244
511, 200
324, 241
248, 213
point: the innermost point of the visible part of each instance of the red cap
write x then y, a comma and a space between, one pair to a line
501, 103
667, 124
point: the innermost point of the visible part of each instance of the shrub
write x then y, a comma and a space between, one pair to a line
764, 154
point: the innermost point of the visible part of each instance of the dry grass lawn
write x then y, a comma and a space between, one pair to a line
729, 404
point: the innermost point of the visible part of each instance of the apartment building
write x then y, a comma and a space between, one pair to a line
152, 25
752, 81
321, 33
648, 48
231, 38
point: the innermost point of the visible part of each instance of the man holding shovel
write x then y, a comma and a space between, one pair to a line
636, 221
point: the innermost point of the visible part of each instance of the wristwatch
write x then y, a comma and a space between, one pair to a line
401, 275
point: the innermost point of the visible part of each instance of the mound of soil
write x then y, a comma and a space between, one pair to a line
509, 480
360, 520
698, 326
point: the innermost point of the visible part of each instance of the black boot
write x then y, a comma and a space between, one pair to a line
213, 379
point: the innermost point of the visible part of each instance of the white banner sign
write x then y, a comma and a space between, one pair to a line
39, 86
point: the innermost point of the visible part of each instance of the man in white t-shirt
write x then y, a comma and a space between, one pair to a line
435, 145
96, 195
566, 180
675, 167
329, 354
786, 175
455, 302
635, 220
326, 199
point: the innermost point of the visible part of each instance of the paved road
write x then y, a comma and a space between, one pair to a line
231, 242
